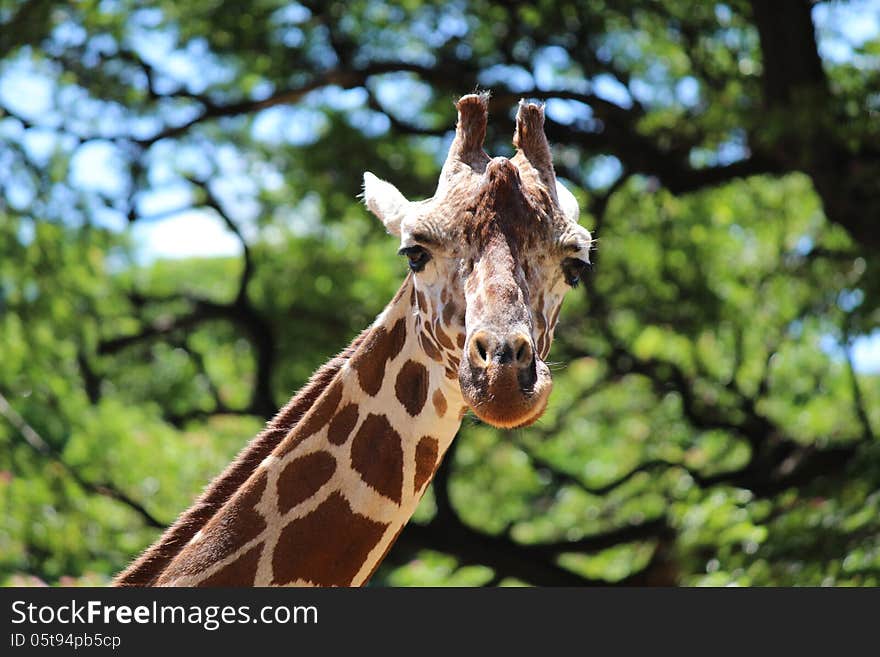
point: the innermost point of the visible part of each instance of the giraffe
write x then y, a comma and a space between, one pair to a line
319, 497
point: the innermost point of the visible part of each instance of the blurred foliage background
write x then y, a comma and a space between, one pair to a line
181, 246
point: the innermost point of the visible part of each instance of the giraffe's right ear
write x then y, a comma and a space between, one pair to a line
386, 202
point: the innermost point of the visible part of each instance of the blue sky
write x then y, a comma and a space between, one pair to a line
170, 229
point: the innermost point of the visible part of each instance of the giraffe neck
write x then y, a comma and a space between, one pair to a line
148, 566
328, 502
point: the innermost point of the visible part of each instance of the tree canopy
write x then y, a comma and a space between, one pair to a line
181, 245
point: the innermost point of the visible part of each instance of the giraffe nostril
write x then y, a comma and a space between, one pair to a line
485, 347
480, 349
523, 354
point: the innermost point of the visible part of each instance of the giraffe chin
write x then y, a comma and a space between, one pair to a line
497, 400
510, 421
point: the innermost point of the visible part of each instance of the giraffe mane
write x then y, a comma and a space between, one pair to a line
147, 568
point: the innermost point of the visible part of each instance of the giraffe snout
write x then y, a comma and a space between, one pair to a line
486, 348
502, 380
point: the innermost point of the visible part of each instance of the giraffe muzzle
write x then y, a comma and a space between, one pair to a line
502, 380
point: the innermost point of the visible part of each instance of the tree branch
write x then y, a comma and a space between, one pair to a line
791, 62
776, 462
240, 313
39, 445
202, 311
29, 24
535, 564
213, 202
858, 399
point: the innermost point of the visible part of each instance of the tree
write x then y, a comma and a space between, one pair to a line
708, 423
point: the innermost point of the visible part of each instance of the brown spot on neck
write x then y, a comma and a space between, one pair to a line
377, 455
342, 424
428, 347
380, 346
442, 338
302, 478
411, 387
326, 547
241, 572
439, 402
315, 420
427, 451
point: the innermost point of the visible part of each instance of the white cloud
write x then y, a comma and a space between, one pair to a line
189, 234
866, 353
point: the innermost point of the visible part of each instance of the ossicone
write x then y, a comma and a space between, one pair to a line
470, 132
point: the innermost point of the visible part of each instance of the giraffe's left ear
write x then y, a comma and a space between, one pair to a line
567, 203
386, 202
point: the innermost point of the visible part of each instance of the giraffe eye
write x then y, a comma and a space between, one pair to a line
574, 269
418, 257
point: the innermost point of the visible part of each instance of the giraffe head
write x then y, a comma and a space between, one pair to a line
493, 253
